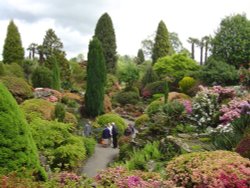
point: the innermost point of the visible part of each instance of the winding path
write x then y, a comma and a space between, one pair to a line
99, 160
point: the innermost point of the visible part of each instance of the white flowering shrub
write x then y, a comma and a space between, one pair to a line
205, 109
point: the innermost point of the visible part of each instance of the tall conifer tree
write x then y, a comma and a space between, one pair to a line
56, 84
105, 32
162, 46
96, 78
140, 57
13, 50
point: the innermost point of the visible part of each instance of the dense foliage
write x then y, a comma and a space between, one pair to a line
18, 149
176, 66
18, 87
218, 72
42, 77
105, 32
231, 42
57, 144
13, 51
162, 46
96, 79
56, 81
209, 169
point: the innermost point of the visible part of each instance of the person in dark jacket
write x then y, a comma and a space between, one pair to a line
106, 137
114, 134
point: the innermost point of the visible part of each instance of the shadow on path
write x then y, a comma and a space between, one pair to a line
99, 160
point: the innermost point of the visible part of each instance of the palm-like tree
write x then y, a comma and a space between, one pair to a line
193, 42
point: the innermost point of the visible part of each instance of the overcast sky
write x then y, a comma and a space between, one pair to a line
74, 21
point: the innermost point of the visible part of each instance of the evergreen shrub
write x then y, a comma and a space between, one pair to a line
186, 84
59, 112
127, 97
42, 77
18, 150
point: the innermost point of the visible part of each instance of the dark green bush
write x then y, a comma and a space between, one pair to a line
218, 72
60, 112
127, 97
18, 149
153, 88
42, 77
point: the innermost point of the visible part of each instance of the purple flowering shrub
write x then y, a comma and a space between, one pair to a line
233, 110
122, 178
210, 169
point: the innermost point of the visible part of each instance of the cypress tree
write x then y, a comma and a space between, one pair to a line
96, 78
162, 46
140, 57
56, 82
17, 149
104, 31
13, 50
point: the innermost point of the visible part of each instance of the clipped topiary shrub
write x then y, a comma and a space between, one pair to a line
42, 108
18, 87
18, 150
186, 84
127, 97
209, 169
112, 117
141, 120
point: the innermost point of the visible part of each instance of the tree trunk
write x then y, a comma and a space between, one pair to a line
201, 55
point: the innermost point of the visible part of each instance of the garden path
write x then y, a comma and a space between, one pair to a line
99, 160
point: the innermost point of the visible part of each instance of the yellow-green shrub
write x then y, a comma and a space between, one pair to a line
141, 120
112, 117
43, 108
186, 83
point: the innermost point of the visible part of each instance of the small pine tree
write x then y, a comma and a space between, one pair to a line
13, 50
96, 78
162, 46
140, 57
18, 150
60, 112
149, 77
56, 82
105, 32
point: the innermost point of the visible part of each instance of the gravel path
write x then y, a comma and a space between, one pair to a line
99, 160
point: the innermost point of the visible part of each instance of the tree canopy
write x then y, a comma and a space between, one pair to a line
231, 42
162, 46
13, 50
105, 32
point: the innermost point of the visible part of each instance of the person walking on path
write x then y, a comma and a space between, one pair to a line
87, 131
114, 134
106, 137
